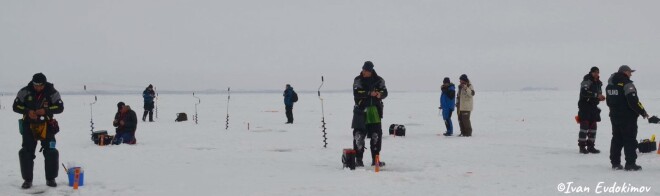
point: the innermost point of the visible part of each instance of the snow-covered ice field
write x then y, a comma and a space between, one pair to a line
524, 143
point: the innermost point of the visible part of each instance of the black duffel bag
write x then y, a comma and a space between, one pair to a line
397, 130
647, 145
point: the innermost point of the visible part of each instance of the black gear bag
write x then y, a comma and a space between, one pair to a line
397, 130
647, 145
348, 158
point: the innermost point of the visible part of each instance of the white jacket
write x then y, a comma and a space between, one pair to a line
465, 95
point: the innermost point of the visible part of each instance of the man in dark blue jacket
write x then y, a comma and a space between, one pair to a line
448, 104
37, 102
591, 94
625, 108
148, 94
368, 93
289, 98
126, 124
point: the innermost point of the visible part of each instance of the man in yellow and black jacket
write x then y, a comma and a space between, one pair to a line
368, 92
625, 108
37, 102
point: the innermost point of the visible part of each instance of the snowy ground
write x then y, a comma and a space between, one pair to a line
524, 143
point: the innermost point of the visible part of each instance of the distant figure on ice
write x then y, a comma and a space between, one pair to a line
148, 94
625, 108
290, 97
37, 102
464, 103
368, 93
126, 124
591, 94
447, 104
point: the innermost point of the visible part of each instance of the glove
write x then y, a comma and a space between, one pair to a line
654, 120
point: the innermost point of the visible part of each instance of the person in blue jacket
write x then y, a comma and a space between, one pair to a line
289, 98
447, 104
148, 94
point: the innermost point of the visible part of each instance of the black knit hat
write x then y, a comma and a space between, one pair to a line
39, 79
446, 80
464, 78
369, 66
150, 86
594, 69
120, 104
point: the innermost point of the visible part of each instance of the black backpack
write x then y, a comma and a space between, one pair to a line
294, 97
181, 117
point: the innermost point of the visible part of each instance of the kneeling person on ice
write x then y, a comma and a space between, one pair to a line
126, 124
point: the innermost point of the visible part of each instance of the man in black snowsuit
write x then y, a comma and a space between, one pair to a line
591, 94
625, 108
368, 92
148, 94
289, 99
37, 102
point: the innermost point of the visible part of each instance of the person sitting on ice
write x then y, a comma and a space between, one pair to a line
126, 124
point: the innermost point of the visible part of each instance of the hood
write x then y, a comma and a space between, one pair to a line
617, 78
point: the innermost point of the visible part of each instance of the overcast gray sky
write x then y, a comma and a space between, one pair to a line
264, 44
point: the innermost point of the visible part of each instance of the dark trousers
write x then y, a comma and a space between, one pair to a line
587, 135
373, 131
289, 114
464, 123
126, 137
148, 109
150, 113
26, 156
624, 135
446, 115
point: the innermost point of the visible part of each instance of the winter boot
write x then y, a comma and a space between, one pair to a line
632, 167
583, 150
27, 184
381, 164
358, 163
593, 150
617, 167
446, 134
51, 183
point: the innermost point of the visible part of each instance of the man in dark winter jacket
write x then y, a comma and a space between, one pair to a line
37, 102
148, 94
591, 94
289, 99
625, 108
448, 104
126, 124
368, 93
